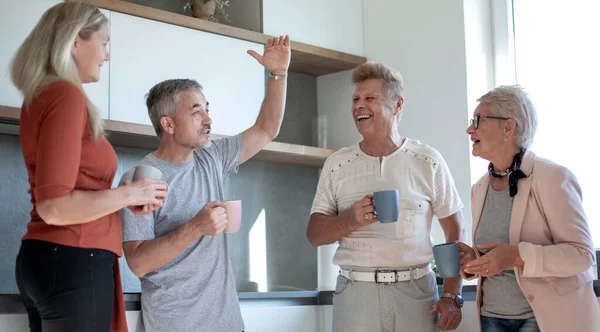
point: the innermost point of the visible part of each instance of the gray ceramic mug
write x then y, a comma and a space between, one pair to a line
447, 259
145, 171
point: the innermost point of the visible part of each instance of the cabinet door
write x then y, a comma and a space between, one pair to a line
333, 24
20, 17
146, 52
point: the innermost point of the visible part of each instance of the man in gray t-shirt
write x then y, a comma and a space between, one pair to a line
179, 251
200, 275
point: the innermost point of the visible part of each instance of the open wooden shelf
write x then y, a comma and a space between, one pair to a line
306, 59
142, 136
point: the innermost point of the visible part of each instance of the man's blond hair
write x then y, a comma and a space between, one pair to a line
374, 70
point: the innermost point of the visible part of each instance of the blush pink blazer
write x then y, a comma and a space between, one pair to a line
550, 228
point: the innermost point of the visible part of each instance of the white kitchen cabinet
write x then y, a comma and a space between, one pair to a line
332, 24
145, 52
17, 19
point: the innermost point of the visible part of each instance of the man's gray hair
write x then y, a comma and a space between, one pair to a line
511, 101
162, 99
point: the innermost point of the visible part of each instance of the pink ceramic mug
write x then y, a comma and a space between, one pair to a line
233, 209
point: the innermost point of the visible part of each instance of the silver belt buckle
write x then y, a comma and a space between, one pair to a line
385, 276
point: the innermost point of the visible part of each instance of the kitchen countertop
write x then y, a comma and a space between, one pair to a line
11, 303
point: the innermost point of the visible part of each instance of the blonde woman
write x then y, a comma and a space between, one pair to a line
534, 251
67, 269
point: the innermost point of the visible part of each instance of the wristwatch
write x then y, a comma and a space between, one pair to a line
457, 298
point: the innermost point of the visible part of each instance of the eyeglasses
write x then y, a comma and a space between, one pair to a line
478, 117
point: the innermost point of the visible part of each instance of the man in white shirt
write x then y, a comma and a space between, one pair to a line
385, 281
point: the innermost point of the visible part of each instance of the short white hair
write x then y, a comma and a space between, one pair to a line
511, 101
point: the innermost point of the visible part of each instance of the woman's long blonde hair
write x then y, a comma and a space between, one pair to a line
45, 55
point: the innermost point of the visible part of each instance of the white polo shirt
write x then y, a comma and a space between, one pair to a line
426, 189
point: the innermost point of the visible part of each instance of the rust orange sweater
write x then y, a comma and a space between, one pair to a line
61, 156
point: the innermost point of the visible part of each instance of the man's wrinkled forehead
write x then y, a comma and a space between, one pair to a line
191, 99
369, 87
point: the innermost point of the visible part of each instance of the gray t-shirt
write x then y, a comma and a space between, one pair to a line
195, 291
502, 296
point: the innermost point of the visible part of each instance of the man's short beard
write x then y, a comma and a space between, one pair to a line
193, 146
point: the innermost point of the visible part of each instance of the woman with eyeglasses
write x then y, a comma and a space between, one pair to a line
533, 250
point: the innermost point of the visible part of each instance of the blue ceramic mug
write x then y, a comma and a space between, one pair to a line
387, 205
447, 259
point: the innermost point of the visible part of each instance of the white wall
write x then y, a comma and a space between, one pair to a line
427, 45
480, 63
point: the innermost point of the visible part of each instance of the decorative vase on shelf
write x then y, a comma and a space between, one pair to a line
319, 125
205, 10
